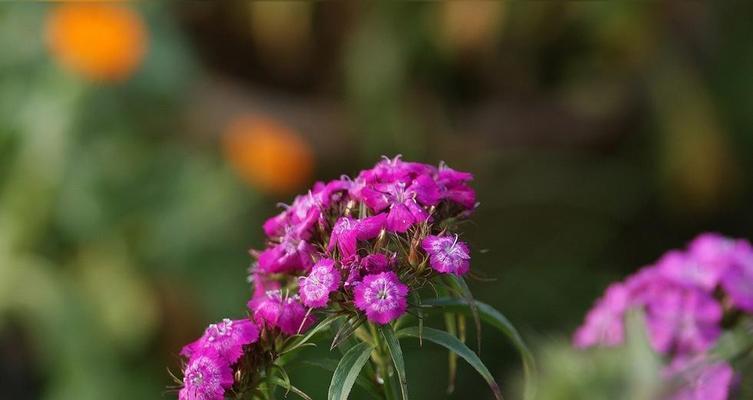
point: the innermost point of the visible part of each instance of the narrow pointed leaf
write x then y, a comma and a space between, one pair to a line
290, 388
347, 371
420, 313
393, 346
452, 343
284, 377
465, 292
346, 330
330, 365
301, 340
497, 320
452, 358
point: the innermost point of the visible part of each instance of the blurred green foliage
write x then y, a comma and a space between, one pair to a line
600, 134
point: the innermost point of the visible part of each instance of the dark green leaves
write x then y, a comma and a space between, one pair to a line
494, 318
462, 287
330, 365
347, 371
347, 329
302, 340
396, 353
285, 384
452, 343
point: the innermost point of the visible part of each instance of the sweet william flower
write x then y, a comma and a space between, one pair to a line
391, 170
697, 379
382, 297
226, 337
285, 313
454, 186
447, 254
402, 199
293, 253
306, 210
691, 271
206, 377
348, 231
375, 263
737, 280
370, 264
683, 320
604, 324
323, 279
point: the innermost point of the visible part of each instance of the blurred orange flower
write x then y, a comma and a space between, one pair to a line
103, 42
267, 154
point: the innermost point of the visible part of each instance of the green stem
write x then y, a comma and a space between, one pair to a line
383, 366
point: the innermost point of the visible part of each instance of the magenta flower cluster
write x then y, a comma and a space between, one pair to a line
684, 297
348, 239
354, 246
208, 372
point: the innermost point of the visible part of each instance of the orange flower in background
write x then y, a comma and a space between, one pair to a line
267, 154
103, 42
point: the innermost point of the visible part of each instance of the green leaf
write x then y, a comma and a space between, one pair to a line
284, 377
346, 330
419, 311
496, 319
287, 386
452, 360
347, 371
452, 343
465, 292
301, 340
330, 365
396, 353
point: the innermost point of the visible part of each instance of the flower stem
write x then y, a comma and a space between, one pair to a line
383, 365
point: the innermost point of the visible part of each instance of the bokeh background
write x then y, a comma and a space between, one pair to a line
142, 145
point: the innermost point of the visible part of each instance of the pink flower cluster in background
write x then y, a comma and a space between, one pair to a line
684, 297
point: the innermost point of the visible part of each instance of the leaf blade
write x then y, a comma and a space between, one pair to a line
461, 285
287, 386
330, 365
496, 319
347, 371
301, 340
396, 353
453, 344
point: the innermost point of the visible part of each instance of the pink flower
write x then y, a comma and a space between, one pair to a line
261, 282
206, 377
375, 263
738, 278
293, 253
682, 316
697, 380
454, 186
321, 281
447, 254
404, 210
348, 231
227, 338
683, 320
285, 313
371, 264
604, 324
394, 170
382, 297
691, 271
306, 209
